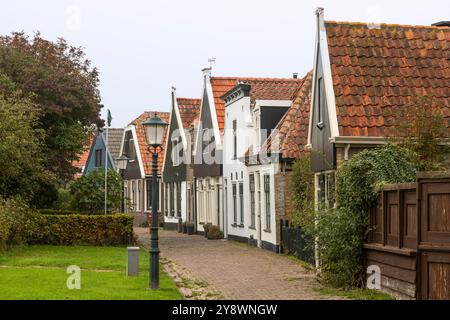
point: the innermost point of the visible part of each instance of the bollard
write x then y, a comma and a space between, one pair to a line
133, 261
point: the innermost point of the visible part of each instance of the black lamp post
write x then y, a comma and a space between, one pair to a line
154, 129
122, 163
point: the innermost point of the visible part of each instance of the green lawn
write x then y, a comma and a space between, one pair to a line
39, 272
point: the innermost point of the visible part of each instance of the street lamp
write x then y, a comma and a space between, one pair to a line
122, 163
154, 129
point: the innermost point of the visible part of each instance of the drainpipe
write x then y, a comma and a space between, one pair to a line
347, 149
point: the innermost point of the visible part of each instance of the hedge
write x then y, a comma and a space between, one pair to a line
77, 229
66, 212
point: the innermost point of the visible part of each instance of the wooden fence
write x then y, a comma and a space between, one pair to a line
410, 238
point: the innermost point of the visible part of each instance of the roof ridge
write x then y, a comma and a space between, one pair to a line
257, 78
356, 23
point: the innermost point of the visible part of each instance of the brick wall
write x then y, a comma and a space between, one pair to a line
283, 199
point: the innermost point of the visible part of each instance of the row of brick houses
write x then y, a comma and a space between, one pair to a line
228, 154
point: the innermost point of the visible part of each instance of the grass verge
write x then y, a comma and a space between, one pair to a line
39, 273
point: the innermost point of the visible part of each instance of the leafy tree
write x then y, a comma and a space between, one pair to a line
61, 82
21, 153
88, 192
422, 128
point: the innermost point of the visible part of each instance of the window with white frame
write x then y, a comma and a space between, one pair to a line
125, 193
201, 208
241, 203
234, 189
166, 199
176, 149
172, 200
148, 194
133, 195
139, 195
252, 200
178, 199
267, 199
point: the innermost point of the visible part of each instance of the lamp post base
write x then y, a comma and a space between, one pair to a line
154, 268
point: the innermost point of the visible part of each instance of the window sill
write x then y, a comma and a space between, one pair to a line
252, 227
234, 225
241, 226
267, 231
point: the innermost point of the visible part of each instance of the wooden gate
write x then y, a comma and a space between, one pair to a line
410, 238
434, 236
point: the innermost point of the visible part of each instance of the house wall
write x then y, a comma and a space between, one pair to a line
234, 170
207, 176
140, 211
171, 172
209, 202
260, 235
99, 144
322, 153
201, 167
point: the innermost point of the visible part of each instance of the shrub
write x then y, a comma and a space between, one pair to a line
75, 229
302, 186
66, 212
17, 221
342, 231
206, 227
88, 192
214, 233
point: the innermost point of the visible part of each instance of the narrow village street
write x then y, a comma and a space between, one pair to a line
231, 270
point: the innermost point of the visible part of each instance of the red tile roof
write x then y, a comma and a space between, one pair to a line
142, 140
272, 88
221, 85
261, 88
292, 130
80, 164
377, 70
189, 111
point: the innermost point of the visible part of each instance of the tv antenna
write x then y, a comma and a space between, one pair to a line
211, 61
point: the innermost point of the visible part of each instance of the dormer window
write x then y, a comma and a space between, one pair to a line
176, 146
98, 158
320, 110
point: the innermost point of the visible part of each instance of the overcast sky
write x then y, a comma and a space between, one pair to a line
142, 48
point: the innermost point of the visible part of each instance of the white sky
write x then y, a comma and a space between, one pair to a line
142, 48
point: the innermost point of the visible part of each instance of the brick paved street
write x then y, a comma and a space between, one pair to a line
237, 271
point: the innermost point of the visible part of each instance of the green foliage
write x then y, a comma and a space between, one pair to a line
63, 200
214, 233
21, 151
76, 229
302, 186
88, 192
340, 234
342, 231
421, 128
359, 178
67, 212
62, 84
17, 221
